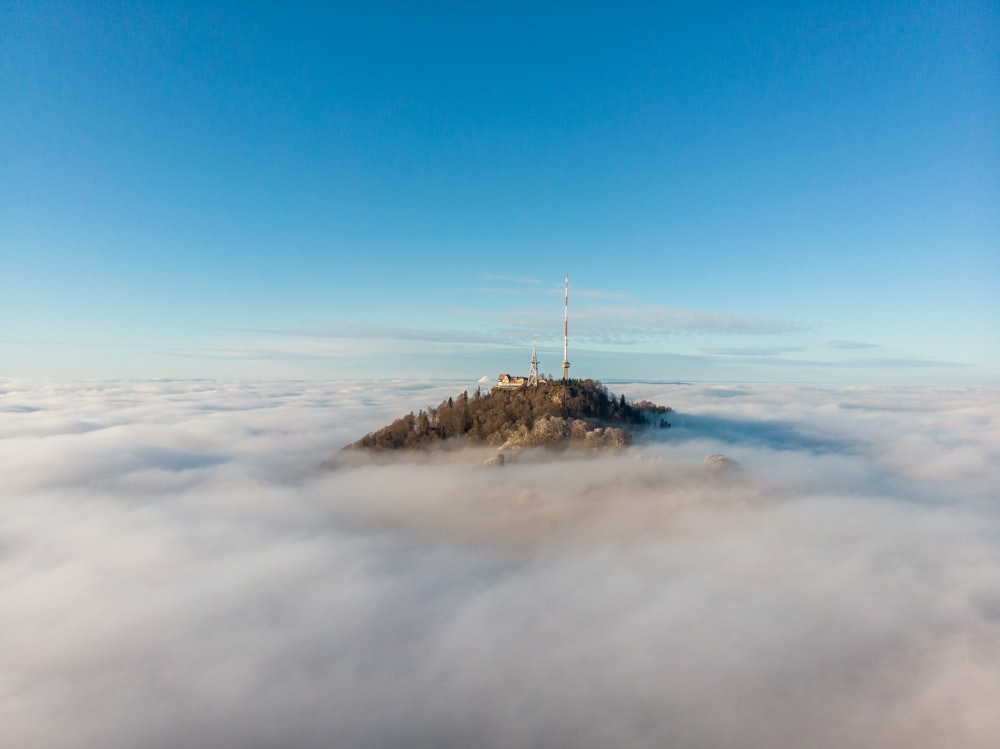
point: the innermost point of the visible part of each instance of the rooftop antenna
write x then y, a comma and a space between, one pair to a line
533, 374
565, 361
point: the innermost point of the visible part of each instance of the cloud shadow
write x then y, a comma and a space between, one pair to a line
770, 433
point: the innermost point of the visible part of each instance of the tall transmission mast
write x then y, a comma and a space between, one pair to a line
565, 361
533, 374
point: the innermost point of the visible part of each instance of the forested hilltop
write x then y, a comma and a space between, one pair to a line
551, 413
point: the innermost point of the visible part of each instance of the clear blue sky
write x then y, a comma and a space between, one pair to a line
745, 191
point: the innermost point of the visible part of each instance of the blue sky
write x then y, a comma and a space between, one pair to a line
800, 192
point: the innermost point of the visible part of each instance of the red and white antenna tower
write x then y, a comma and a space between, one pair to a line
565, 361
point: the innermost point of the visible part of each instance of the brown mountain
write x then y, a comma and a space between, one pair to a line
551, 413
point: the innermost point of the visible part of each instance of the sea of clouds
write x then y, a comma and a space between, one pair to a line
177, 570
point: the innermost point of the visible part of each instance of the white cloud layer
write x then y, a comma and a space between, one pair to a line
176, 571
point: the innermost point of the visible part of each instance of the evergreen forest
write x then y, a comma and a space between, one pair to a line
551, 411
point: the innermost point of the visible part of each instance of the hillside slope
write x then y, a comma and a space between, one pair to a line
554, 412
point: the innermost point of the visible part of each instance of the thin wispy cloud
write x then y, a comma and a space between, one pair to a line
659, 320
762, 351
776, 357
849, 345
368, 331
605, 324
599, 294
505, 291
576, 292
610, 340
905, 362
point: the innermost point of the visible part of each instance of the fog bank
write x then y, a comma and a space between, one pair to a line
175, 569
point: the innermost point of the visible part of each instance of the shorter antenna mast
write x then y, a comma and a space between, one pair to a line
533, 374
